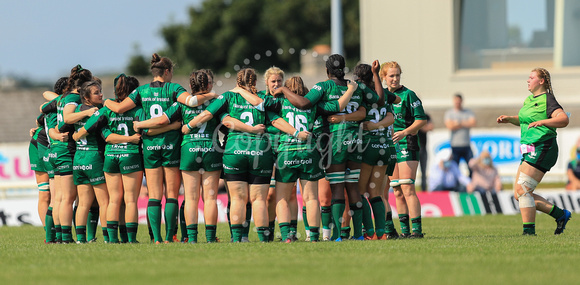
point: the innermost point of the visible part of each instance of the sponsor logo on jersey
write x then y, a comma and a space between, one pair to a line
376, 145
415, 104
201, 149
250, 152
160, 147
354, 141
121, 118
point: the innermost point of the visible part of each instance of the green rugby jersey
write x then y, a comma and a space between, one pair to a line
329, 91
91, 141
406, 112
63, 101
376, 114
537, 108
108, 122
184, 113
237, 107
156, 97
301, 120
50, 120
272, 132
39, 136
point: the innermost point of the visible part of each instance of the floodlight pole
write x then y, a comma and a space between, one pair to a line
336, 27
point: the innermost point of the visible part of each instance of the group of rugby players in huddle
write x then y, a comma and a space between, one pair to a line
344, 142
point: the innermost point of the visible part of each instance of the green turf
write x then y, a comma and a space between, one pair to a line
462, 250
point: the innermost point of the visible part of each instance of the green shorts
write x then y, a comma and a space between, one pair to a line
196, 155
405, 154
159, 152
61, 160
291, 165
392, 161
376, 152
35, 152
88, 168
346, 146
123, 163
544, 156
274, 140
248, 155
47, 165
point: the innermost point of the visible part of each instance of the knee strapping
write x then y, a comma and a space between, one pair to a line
336, 177
528, 184
353, 176
394, 183
406, 181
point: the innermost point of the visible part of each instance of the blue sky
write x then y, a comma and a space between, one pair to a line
43, 40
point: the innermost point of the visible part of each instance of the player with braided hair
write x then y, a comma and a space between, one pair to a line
160, 151
379, 155
538, 119
201, 161
247, 157
345, 155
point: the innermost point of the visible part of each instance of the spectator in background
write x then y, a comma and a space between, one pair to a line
445, 174
422, 134
459, 121
573, 171
485, 177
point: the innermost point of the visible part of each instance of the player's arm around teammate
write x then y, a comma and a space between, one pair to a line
376, 155
64, 151
88, 165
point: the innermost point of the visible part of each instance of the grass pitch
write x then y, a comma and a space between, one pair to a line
457, 250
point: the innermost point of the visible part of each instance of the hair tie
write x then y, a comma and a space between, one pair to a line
115, 82
79, 67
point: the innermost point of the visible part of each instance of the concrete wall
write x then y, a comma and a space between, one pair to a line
422, 37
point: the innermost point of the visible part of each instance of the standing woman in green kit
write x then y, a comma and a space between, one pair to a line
88, 163
160, 152
538, 119
201, 162
409, 119
122, 166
